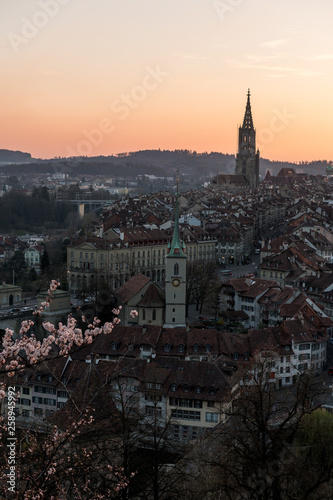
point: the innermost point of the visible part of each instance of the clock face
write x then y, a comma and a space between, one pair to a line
176, 282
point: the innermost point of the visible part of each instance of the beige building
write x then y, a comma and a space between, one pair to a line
120, 254
10, 295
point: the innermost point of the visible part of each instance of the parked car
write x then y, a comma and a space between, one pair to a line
226, 272
15, 310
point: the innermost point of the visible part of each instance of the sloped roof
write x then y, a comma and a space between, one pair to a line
153, 297
129, 289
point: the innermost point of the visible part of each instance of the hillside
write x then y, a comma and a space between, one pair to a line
151, 162
8, 156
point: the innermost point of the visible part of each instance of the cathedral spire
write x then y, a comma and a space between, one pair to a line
248, 122
176, 247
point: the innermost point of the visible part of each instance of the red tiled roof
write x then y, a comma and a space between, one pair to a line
131, 288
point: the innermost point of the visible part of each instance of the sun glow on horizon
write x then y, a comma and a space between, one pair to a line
128, 76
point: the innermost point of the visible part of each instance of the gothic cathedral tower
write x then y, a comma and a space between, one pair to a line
175, 278
247, 159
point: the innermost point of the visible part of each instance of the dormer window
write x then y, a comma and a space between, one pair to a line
167, 348
186, 388
208, 348
38, 377
113, 346
212, 390
50, 378
181, 348
196, 348
198, 389
173, 387
235, 356
246, 356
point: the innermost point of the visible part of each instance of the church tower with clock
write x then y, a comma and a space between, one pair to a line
175, 278
247, 159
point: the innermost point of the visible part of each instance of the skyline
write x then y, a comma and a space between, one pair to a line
104, 78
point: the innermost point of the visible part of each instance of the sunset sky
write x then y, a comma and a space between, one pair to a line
107, 76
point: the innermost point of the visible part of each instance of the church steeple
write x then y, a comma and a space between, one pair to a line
176, 247
175, 276
247, 160
248, 122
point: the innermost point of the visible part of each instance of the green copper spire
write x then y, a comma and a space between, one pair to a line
177, 247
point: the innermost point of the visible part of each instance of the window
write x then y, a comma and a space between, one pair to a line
25, 390
158, 386
212, 390
62, 394
181, 348
25, 401
167, 348
143, 313
304, 347
210, 404
113, 346
187, 403
38, 411
173, 387
154, 315
235, 356
153, 411
186, 388
26, 413
48, 401
38, 400
198, 389
176, 269
211, 417
195, 348
208, 348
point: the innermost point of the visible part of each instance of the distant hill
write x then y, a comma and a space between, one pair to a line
151, 162
8, 156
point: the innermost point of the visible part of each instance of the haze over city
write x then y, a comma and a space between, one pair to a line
171, 75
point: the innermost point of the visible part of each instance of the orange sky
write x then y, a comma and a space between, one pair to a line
107, 76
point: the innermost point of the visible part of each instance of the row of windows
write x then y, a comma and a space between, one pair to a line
182, 348
186, 414
194, 415
185, 403
45, 390
45, 401
187, 388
